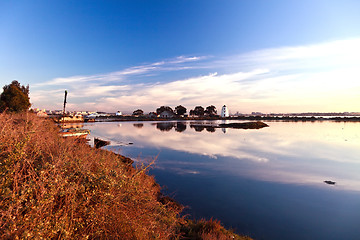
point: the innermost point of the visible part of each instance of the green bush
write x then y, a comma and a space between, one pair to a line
15, 98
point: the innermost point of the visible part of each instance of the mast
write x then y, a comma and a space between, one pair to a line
64, 106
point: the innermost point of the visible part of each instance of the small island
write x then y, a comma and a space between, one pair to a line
244, 125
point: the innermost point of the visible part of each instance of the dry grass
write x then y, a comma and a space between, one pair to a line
57, 188
208, 230
53, 187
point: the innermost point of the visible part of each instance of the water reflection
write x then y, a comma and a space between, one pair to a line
180, 126
197, 128
72, 125
165, 126
200, 126
268, 183
210, 129
138, 125
288, 152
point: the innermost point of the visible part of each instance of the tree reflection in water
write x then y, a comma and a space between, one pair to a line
180, 126
197, 128
165, 126
210, 129
138, 125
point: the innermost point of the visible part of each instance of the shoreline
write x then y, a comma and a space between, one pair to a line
206, 118
249, 118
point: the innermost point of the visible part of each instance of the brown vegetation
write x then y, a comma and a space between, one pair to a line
58, 188
208, 229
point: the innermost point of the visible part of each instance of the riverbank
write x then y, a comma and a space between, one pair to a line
243, 118
212, 118
55, 187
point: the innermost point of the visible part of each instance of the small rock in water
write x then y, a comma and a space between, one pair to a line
329, 182
100, 143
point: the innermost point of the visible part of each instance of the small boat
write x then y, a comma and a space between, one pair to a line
74, 132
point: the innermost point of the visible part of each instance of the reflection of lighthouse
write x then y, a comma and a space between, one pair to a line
224, 111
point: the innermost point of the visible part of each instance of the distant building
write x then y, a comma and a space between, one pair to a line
167, 114
224, 111
48, 112
97, 114
42, 114
152, 115
118, 113
77, 118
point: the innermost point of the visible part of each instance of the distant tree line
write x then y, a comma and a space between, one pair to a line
138, 112
15, 98
181, 111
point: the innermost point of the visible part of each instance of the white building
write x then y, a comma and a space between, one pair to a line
224, 111
167, 114
118, 113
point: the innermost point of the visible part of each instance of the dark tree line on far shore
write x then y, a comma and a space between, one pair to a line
181, 111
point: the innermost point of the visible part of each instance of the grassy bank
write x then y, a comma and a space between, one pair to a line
58, 188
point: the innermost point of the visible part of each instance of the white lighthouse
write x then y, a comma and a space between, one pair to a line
224, 112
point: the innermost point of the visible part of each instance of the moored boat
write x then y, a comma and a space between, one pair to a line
74, 132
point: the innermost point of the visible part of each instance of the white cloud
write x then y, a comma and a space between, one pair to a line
322, 77
183, 59
202, 90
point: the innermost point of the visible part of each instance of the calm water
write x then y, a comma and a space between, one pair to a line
266, 183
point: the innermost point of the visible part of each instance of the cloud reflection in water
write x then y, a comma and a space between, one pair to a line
287, 152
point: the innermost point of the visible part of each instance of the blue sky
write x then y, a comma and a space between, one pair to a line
252, 55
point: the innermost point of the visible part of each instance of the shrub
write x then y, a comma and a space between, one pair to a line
53, 187
15, 98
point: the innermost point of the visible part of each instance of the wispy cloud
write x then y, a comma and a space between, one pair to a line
322, 77
178, 63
